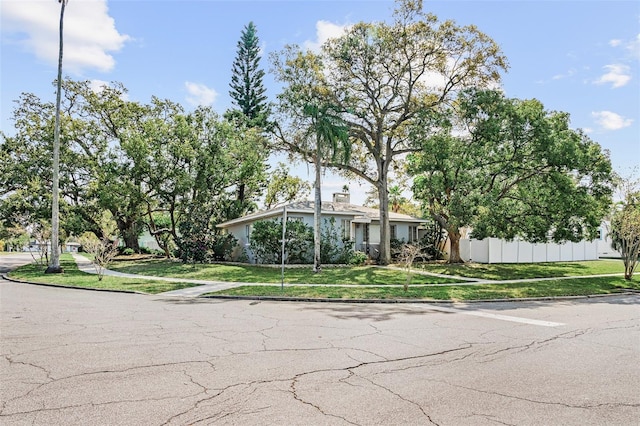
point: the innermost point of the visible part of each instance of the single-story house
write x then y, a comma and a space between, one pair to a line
359, 224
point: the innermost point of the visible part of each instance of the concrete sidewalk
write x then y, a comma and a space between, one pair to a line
204, 286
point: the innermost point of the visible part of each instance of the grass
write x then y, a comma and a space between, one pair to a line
552, 288
261, 274
509, 271
73, 277
386, 278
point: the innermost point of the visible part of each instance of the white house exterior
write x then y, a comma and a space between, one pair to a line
604, 241
359, 224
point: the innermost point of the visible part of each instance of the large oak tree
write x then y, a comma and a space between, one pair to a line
381, 76
509, 168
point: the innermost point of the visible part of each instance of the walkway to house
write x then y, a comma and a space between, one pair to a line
206, 286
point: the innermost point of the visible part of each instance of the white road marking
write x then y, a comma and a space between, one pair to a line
494, 316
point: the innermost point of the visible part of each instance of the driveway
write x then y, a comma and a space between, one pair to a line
77, 357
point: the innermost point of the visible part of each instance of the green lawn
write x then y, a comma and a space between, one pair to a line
76, 278
567, 287
510, 271
352, 275
261, 274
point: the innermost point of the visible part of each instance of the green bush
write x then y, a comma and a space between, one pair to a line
266, 241
199, 243
128, 251
358, 258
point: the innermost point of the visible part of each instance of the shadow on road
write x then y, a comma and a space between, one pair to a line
368, 312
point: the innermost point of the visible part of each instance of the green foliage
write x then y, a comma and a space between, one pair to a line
148, 165
198, 242
128, 251
372, 76
520, 171
284, 188
334, 248
266, 241
357, 258
247, 89
625, 233
433, 241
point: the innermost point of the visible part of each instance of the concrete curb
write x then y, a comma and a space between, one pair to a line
108, 290
405, 301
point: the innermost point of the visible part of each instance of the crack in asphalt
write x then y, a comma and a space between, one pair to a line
535, 401
400, 397
491, 418
295, 379
539, 343
365, 364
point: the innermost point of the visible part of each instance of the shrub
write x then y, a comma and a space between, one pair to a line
266, 241
128, 251
357, 258
329, 242
198, 243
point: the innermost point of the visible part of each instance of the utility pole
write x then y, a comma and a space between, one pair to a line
54, 265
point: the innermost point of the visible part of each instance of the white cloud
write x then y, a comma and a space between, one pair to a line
199, 94
615, 42
610, 120
324, 31
90, 35
98, 86
618, 75
568, 74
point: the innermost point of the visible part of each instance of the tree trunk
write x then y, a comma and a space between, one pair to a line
454, 238
385, 229
317, 215
129, 233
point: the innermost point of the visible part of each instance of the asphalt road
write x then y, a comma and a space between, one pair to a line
74, 357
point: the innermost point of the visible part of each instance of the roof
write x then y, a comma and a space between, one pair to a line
359, 213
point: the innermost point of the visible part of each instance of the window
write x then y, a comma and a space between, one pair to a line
247, 231
346, 229
295, 219
413, 233
394, 234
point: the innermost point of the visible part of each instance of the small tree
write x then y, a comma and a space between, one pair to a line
41, 234
408, 255
103, 251
625, 233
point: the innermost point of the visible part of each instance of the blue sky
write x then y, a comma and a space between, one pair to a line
582, 57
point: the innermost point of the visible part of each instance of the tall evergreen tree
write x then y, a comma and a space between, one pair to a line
247, 90
251, 109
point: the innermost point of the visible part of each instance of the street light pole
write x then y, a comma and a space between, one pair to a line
54, 265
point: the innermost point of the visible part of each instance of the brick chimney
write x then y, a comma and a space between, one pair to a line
341, 197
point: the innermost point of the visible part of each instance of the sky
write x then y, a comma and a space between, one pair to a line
581, 57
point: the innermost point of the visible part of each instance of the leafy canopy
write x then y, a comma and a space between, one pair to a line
508, 168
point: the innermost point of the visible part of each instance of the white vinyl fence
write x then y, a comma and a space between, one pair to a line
494, 250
